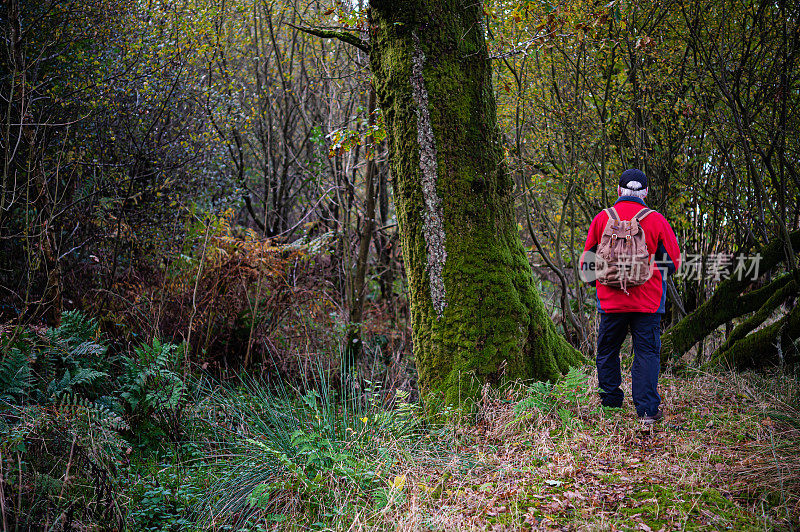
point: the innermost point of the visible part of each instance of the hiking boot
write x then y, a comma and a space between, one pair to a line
655, 418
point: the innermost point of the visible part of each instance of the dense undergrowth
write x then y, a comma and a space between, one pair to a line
100, 438
97, 436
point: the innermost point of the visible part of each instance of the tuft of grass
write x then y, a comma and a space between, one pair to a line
314, 456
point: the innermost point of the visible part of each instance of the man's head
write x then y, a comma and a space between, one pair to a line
633, 182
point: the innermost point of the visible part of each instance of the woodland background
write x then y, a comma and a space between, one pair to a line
197, 225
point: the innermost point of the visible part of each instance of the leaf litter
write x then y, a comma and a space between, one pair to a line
601, 470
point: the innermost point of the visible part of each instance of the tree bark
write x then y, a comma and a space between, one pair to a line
476, 315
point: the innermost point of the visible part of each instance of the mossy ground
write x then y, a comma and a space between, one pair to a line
707, 466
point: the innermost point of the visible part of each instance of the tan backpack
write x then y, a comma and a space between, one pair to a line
622, 256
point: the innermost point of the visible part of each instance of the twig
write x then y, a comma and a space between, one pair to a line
19, 492
69, 466
675, 297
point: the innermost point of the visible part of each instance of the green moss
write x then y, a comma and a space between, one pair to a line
762, 347
654, 500
503, 518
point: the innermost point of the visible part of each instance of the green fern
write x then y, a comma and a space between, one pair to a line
573, 385
68, 382
95, 411
75, 328
151, 384
16, 378
43, 368
60, 410
76, 341
544, 397
538, 398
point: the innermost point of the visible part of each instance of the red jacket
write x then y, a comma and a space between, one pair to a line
663, 247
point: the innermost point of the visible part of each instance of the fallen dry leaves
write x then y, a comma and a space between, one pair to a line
605, 471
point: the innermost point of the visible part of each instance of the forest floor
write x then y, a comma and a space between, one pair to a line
724, 458
195, 454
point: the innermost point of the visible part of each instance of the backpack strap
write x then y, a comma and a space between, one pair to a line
612, 214
641, 215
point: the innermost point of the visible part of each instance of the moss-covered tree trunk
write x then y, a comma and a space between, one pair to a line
476, 314
728, 301
773, 344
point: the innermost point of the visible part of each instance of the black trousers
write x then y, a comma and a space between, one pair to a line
646, 334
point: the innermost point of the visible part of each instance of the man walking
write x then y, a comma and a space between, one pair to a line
631, 250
